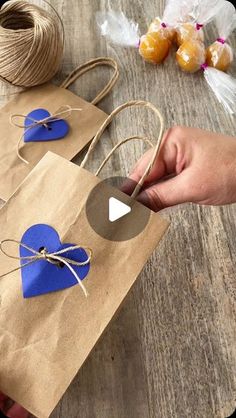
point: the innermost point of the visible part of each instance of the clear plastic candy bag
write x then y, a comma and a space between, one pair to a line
118, 29
187, 17
191, 55
194, 15
220, 53
171, 16
154, 46
224, 87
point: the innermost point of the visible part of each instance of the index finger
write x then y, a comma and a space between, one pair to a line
163, 166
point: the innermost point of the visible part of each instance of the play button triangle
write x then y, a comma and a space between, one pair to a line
117, 209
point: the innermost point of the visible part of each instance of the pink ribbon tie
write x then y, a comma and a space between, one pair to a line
204, 66
199, 26
221, 40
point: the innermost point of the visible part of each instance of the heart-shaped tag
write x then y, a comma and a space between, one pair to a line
56, 129
41, 276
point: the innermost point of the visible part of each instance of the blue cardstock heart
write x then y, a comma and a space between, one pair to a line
57, 129
41, 276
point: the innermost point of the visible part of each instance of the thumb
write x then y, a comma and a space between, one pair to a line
167, 193
17, 411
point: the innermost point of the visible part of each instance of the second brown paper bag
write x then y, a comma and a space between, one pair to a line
83, 125
45, 340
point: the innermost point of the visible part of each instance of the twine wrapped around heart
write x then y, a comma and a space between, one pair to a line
64, 111
70, 79
54, 258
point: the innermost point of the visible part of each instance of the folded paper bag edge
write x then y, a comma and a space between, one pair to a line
19, 173
56, 159
39, 414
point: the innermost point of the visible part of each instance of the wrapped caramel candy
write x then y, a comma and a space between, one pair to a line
187, 17
194, 14
167, 31
189, 31
191, 55
157, 25
154, 46
220, 54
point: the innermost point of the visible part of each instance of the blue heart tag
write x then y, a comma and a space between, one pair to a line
56, 129
42, 276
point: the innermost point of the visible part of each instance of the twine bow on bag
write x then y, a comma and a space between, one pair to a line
64, 111
56, 258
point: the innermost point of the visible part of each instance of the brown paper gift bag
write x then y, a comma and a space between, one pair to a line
83, 125
44, 340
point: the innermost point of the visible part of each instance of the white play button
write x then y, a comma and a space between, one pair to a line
117, 209
114, 215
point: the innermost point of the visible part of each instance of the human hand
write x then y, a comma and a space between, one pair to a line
15, 411
193, 166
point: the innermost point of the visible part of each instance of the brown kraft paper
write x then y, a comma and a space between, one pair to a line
45, 340
83, 125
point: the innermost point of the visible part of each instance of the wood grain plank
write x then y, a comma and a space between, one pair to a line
171, 351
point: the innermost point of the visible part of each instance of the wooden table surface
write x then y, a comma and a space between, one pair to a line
171, 351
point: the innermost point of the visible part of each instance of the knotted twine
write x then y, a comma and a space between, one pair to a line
70, 79
64, 111
51, 257
31, 43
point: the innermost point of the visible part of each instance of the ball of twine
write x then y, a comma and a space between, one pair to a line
31, 43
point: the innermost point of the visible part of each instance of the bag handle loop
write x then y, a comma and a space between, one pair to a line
119, 109
89, 65
131, 138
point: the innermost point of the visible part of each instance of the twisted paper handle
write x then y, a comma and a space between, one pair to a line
53, 258
97, 137
122, 142
89, 65
64, 111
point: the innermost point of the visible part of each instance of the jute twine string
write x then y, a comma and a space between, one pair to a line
64, 112
131, 138
119, 109
53, 258
31, 43
72, 77
89, 65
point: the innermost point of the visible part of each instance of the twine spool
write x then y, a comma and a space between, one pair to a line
31, 43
